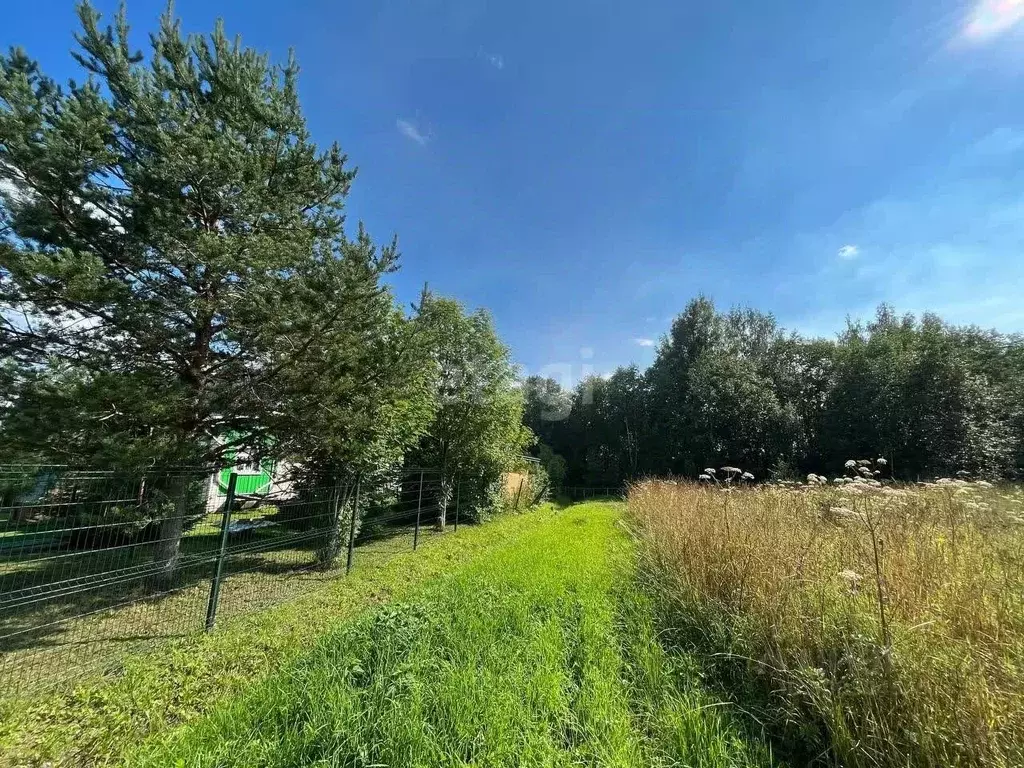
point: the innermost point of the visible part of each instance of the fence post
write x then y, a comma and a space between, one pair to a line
352, 528
458, 489
229, 502
519, 492
419, 506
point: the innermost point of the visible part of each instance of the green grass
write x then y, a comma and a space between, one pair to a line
867, 627
539, 653
84, 634
148, 693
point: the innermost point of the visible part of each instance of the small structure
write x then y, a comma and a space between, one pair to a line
263, 477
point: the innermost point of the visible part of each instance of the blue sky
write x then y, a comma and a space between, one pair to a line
583, 168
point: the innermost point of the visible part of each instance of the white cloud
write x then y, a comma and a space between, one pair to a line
409, 129
991, 18
848, 252
644, 342
951, 248
496, 60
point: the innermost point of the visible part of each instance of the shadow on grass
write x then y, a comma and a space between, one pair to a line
73, 597
564, 502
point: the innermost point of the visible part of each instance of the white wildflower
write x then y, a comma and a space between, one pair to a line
852, 578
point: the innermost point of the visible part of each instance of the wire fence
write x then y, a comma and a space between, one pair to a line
584, 492
96, 565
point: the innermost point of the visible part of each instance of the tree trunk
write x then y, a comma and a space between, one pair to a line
168, 547
443, 500
333, 541
338, 523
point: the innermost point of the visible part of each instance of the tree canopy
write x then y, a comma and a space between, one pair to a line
173, 245
177, 284
732, 388
477, 429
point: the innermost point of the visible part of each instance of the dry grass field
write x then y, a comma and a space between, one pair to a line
863, 623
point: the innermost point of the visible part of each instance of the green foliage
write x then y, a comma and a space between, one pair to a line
545, 404
176, 280
539, 486
173, 245
177, 283
553, 464
366, 397
938, 399
477, 430
733, 389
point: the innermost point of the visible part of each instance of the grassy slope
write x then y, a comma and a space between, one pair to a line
184, 679
540, 654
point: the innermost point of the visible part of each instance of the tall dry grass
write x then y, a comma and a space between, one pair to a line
862, 625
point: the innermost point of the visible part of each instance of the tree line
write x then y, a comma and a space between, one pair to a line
178, 285
733, 388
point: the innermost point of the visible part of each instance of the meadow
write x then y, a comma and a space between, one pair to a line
853, 624
146, 693
541, 654
864, 624
521, 642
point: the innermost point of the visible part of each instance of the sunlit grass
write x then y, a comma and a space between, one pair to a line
90, 633
147, 693
540, 654
867, 626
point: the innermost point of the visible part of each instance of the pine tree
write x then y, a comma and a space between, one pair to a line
172, 250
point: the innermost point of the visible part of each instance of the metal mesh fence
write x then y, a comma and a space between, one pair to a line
584, 492
97, 565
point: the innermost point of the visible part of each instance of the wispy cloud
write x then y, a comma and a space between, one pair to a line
496, 60
951, 248
991, 18
1004, 140
410, 130
848, 252
644, 342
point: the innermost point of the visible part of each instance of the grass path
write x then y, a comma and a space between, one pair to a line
542, 653
154, 692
